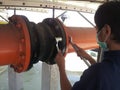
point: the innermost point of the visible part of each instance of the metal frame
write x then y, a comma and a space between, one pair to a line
86, 19
35, 6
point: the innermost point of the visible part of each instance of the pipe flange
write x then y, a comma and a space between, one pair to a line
24, 44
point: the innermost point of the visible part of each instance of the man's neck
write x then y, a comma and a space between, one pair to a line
114, 46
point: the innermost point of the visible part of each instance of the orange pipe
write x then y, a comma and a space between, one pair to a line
15, 45
83, 37
9, 44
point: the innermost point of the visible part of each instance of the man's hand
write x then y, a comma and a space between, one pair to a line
60, 60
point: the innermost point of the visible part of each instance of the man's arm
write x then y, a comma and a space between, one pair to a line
65, 84
82, 54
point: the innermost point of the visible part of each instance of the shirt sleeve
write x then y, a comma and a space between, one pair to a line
89, 79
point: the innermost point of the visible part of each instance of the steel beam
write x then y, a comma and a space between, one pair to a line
36, 5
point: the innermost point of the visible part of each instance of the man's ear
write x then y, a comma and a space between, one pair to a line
106, 32
107, 29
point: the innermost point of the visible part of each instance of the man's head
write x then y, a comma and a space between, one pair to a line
108, 14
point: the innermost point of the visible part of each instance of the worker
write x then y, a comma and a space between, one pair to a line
106, 74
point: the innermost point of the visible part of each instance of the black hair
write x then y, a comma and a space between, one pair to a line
109, 13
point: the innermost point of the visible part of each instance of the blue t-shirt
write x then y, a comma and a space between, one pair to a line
102, 76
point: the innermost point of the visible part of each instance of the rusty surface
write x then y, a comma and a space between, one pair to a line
15, 44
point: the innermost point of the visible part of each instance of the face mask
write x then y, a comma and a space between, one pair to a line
103, 45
